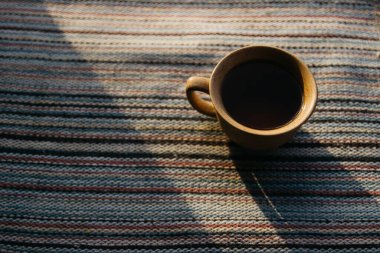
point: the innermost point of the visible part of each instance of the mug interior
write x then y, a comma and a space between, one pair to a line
276, 56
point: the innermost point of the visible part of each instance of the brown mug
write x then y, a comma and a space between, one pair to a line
257, 139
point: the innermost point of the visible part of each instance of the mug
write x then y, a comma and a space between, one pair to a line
256, 139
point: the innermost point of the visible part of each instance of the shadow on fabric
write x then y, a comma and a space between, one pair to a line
77, 173
311, 199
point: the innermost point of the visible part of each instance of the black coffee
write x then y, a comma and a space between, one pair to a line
261, 95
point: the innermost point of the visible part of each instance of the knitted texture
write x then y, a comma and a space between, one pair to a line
100, 150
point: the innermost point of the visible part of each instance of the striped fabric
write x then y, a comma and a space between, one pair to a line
101, 152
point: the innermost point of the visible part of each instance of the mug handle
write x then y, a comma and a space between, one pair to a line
202, 84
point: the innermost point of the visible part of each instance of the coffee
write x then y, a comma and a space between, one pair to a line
261, 95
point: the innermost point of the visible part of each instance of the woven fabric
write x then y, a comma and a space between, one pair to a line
100, 150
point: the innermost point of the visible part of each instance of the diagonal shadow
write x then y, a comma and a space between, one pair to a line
78, 173
312, 200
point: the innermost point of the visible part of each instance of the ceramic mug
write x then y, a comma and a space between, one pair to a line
256, 139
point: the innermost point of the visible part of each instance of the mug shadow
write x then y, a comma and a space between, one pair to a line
97, 169
310, 198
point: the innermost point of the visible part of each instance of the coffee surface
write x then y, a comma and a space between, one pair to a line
261, 95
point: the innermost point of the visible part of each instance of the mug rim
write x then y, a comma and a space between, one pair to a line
288, 127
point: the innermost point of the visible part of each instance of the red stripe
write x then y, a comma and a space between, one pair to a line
210, 175
123, 189
319, 35
188, 190
178, 240
101, 104
222, 179
109, 92
111, 70
121, 23
171, 199
175, 137
150, 15
125, 48
158, 7
168, 163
